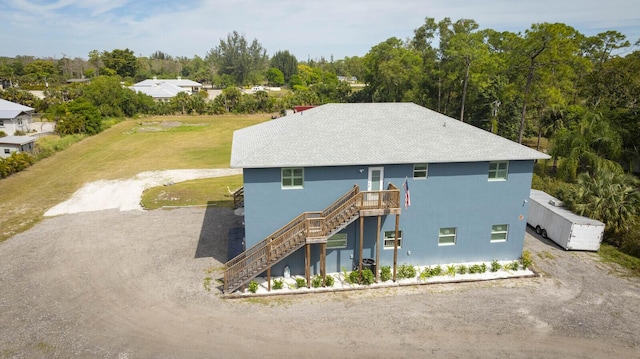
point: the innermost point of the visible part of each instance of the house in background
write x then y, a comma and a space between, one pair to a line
14, 117
10, 144
329, 187
165, 89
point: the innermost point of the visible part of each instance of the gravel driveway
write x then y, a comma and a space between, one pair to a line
129, 284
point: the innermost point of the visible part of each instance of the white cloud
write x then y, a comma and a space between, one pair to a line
306, 28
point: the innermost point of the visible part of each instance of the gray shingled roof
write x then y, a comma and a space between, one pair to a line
371, 133
176, 82
160, 90
16, 140
10, 110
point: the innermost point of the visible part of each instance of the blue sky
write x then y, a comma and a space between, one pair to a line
308, 29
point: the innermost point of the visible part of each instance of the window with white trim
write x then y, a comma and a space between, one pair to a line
6, 150
420, 171
447, 236
499, 232
498, 170
292, 177
338, 240
389, 237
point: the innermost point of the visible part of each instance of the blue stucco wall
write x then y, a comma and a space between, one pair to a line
453, 195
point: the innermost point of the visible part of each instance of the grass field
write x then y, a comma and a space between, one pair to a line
122, 151
609, 253
201, 192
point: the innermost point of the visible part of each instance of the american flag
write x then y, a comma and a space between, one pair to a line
407, 194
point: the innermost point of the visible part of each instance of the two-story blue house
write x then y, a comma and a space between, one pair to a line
325, 188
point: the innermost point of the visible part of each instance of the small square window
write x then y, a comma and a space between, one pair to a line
292, 177
498, 170
338, 240
499, 232
447, 236
389, 238
420, 171
6, 150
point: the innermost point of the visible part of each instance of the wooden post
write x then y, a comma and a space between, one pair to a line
323, 262
361, 242
269, 268
395, 248
269, 279
378, 248
307, 270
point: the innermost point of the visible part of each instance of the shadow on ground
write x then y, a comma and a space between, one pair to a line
213, 241
548, 242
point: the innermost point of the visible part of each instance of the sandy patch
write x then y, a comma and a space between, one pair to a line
125, 194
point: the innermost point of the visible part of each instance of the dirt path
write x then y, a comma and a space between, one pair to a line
125, 194
129, 284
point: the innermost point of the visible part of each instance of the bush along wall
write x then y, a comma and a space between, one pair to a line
15, 163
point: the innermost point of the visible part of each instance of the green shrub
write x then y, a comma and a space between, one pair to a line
525, 259
278, 284
253, 286
365, 277
551, 185
483, 268
451, 270
354, 277
329, 281
406, 271
368, 277
316, 282
301, 282
515, 265
15, 163
426, 273
461, 269
474, 269
429, 272
385, 273
436, 271
495, 266
631, 242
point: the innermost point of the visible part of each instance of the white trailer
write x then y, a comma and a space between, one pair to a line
567, 229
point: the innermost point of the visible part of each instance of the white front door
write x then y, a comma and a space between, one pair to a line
376, 179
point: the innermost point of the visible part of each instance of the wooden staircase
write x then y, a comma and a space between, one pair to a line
307, 228
238, 197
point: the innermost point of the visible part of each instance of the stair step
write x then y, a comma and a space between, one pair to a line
289, 244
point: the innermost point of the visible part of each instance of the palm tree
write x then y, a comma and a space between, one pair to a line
610, 197
586, 146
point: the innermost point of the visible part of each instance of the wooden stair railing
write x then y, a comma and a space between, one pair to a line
292, 236
238, 198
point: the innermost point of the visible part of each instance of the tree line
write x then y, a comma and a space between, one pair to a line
550, 87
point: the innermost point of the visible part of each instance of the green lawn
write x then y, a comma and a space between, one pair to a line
611, 254
122, 151
200, 192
